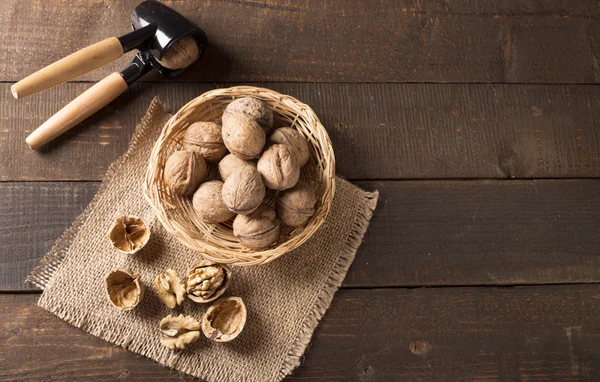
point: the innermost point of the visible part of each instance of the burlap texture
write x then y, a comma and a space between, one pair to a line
285, 299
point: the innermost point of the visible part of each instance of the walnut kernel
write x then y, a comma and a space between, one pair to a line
177, 332
169, 288
207, 281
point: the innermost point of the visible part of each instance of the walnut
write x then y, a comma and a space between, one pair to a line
205, 138
243, 191
279, 167
177, 332
296, 205
208, 203
170, 289
207, 281
231, 163
294, 140
181, 54
242, 135
129, 234
254, 108
225, 319
184, 171
259, 229
125, 289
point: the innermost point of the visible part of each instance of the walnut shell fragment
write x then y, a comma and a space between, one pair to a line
258, 230
129, 234
125, 289
225, 319
207, 281
294, 140
296, 205
279, 167
244, 190
184, 171
205, 138
177, 332
254, 108
170, 288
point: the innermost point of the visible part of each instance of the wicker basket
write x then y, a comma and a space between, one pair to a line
216, 241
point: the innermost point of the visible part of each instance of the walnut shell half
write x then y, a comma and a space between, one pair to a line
178, 331
207, 281
125, 289
225, 319
129, 234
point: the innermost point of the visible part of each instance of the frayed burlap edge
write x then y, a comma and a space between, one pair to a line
41, 276
334, 281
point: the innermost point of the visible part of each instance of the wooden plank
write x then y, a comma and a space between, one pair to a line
422, 233
528, 334
341, 40
379, 131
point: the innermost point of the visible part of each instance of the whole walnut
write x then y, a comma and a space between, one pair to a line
242, 135
296, 205
231, 163
254, 108
279, 167
181, 54
258, 230
184, 171
295, 140
243, 191
205, 138
208, 203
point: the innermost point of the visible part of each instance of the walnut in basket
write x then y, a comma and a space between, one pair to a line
279, 167
208, 203
258, 230
243, 191
231, 163
296, 205
184, 171
243, 135
254, 108
205, 138
294, 140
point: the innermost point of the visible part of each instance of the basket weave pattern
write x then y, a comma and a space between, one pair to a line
216, 241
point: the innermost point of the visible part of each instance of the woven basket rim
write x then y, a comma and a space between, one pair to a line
213, 241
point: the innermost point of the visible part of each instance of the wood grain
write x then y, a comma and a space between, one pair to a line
422, 233
528, 334
332, 41
379, 131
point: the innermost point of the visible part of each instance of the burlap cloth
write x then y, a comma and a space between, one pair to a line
285, 299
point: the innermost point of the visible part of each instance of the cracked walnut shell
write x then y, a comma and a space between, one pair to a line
129, 234
170, 288
177, 332
225, 319
125, 289
207, 281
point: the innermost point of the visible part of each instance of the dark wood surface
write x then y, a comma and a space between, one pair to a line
538, 333
478, 122
424, 232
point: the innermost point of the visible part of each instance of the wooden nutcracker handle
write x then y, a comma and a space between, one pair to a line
89, 102
74, 65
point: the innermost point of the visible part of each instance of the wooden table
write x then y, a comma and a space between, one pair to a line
478, 122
